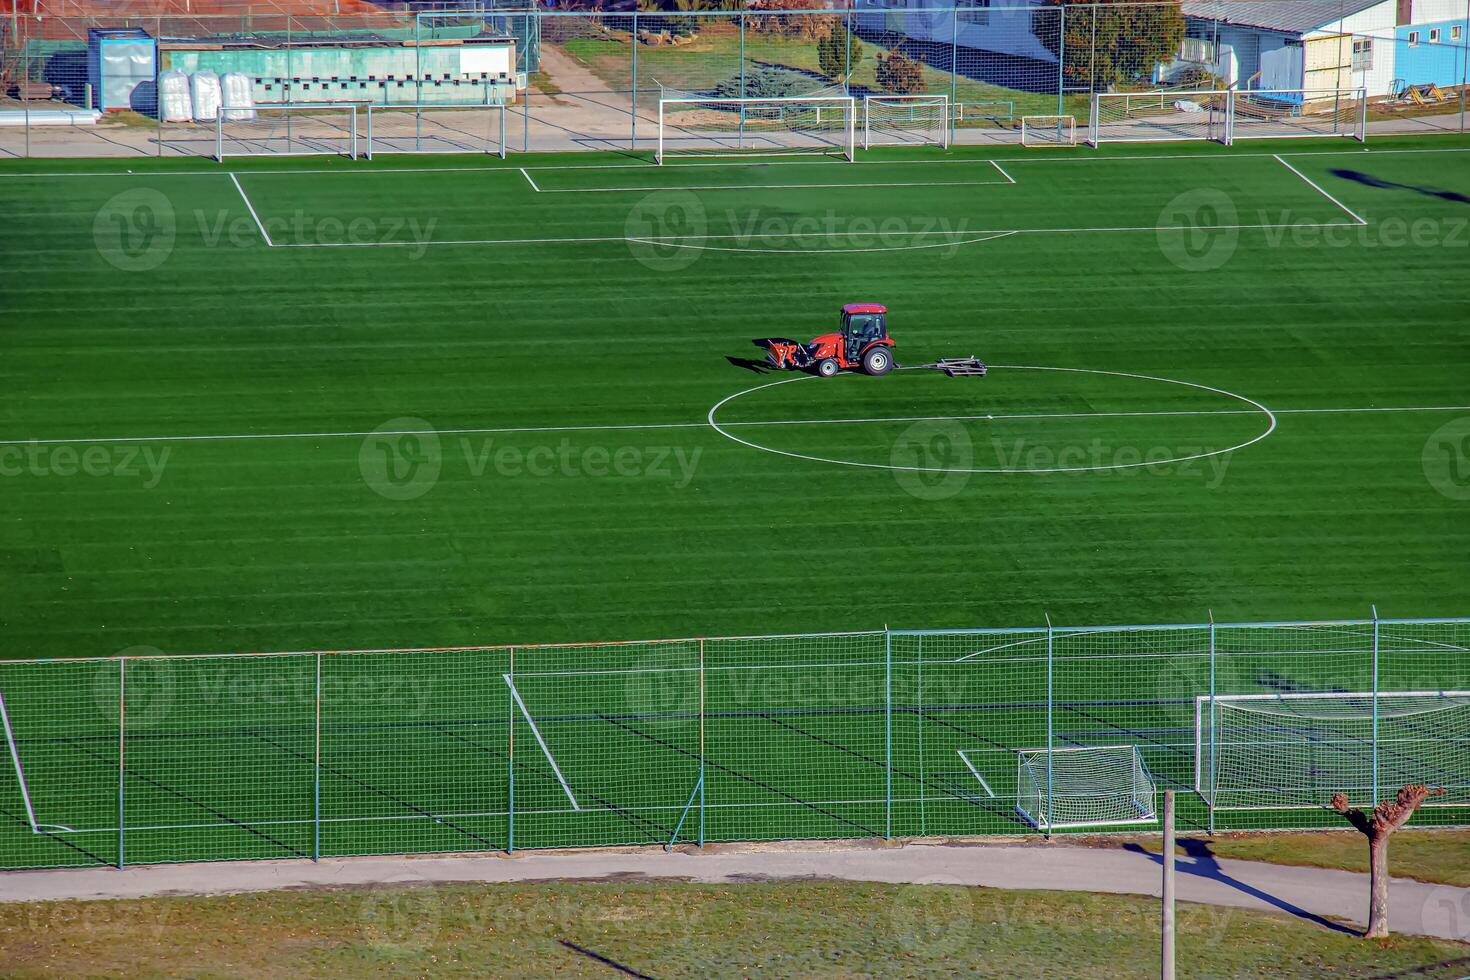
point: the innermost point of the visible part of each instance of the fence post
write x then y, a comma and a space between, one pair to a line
954, 71
122, 737
316, 779
888, 733
1464, 72
701, 742
1210, 776
510, 757
1049, 729
741, 142
1062, 53
923, 781
1374, 801
1166, 938
633, 133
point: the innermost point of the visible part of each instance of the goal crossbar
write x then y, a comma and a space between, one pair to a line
709, 126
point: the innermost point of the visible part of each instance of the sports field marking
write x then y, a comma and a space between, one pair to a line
1002, 171
246, 198
823, 251
1314, 185
510, 683
1260, 409
20, 775
641, 426
513, 171
975, 772
530, 181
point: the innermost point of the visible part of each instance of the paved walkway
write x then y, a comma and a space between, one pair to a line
1328, 898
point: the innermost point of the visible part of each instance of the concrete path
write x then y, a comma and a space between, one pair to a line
1327, 898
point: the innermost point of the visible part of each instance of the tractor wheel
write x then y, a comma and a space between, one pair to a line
827, 367
878, 360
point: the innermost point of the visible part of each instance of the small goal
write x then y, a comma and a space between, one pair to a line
435, 128
309, 129
1048, 131
1087, 786
905, 120
702, 127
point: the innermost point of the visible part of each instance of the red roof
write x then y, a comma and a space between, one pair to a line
864, 308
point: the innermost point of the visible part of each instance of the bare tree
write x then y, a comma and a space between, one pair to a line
1378, 826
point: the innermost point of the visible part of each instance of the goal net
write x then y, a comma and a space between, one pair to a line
1295, 751
905, 120
696, 126
435, 129
1093, 786
1144, 117
1048, 131
1286, 113
312, 129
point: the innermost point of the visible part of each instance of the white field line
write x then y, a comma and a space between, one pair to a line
669, 239
512, 171
976, 773
1313, 184
768, 187
653, 426
824, 251
1002, 171
526, 175
246, 198
540, 741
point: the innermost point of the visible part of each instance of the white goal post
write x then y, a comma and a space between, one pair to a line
308, 129
697, 126
1295, 751
1087, 786
905, 120
1225, 115
1048, 131
435, 128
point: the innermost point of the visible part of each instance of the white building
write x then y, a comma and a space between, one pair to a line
1324, 44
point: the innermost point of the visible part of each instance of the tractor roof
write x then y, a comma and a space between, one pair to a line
865, 308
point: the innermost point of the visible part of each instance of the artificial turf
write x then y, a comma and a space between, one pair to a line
215, 486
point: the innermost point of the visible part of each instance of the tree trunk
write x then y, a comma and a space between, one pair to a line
1378, 887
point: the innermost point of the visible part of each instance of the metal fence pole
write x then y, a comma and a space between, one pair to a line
510, 762
1375, 705
919, 662
1062, 54
1209, 777
954, 71
888, 733
741, 141
633, 133
1464, 66
316, 780
122, 737
1050, 704
701, 742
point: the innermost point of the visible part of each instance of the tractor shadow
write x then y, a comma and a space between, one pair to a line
1200, 862
1368, 180
751, 364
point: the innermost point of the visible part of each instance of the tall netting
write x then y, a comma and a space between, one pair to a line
689, 127
679, 742
906, 120
1288, 113
287, 130
1159, 116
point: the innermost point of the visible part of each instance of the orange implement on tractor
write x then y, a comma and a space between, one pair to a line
860, 341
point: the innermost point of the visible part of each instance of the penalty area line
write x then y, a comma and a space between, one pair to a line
641, 426
1313, 184
246, 198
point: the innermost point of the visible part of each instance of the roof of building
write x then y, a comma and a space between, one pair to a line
1297, 17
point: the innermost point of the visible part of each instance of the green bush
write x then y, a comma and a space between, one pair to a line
838, 53
900, 74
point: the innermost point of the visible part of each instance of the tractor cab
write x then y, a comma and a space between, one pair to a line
862, 323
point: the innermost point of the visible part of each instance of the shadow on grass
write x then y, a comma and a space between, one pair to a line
599, 958
1203, 864
1368, 180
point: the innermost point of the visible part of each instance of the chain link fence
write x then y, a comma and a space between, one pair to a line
143, 759
99, 85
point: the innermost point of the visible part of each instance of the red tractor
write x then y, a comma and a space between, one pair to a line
861, 341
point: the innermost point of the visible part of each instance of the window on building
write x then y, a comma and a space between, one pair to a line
1362, 54
1413, 39
1434, 36
1456, 33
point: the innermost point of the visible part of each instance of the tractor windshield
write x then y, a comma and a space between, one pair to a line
865, 326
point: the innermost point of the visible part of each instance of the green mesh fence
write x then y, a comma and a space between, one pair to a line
853, 735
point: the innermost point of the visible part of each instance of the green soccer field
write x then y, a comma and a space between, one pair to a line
431, 403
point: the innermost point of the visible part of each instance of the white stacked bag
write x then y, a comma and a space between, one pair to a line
174, 102
204, 87
239, 97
